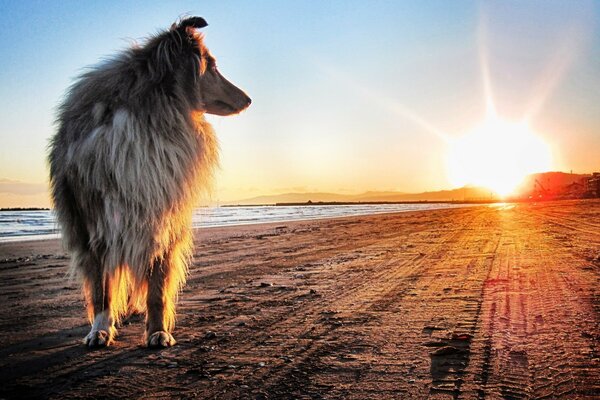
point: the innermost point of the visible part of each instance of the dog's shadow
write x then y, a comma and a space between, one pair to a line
26, 361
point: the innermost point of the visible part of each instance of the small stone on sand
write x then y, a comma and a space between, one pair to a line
210, 335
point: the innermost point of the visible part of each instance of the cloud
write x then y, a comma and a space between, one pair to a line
22, 188
292, 189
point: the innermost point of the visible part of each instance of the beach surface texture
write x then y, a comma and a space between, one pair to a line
484, 302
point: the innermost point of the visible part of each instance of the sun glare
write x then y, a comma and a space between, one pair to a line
497, 155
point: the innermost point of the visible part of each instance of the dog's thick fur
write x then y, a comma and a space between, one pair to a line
131, 153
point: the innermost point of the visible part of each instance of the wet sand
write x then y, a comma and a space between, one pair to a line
483, 302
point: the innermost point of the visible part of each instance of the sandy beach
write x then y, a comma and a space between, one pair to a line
482, 302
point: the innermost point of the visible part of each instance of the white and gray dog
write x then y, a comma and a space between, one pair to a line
130, 156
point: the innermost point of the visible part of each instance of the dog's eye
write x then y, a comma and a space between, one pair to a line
213, 68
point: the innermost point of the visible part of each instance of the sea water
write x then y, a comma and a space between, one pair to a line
28, 225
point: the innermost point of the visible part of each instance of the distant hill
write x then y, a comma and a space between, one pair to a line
549, 182
466, 193
291, 198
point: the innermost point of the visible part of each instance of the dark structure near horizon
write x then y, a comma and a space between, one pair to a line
584, 187
592, 185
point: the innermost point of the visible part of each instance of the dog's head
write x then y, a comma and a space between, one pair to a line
180, 58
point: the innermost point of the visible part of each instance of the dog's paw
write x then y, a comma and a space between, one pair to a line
98, 338
160, 339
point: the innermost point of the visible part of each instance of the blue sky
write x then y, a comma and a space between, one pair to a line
322, 76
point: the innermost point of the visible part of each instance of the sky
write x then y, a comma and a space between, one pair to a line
348, 96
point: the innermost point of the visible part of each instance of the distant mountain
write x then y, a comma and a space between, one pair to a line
549, 182
369, 196
466, 193
290, 198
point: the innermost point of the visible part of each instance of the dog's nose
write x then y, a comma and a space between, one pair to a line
248, 101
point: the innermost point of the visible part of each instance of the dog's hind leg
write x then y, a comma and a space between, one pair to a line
98, 294
160, 305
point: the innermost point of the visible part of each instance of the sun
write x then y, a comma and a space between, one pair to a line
497, 155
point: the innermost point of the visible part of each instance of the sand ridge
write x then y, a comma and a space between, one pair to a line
484, 302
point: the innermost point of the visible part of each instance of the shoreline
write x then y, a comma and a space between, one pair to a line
56, 236
55, 244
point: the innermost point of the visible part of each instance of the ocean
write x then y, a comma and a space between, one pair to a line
29, 225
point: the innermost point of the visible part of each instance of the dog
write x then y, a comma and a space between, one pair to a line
130, 156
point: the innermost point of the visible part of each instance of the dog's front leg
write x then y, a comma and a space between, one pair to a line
160, 306
98, 293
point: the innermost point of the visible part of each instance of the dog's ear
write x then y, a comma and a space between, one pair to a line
166, 51
190, 23
186, 29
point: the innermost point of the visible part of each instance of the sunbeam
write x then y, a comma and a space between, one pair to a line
383, 101
484, 64
566, 52
498, 154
